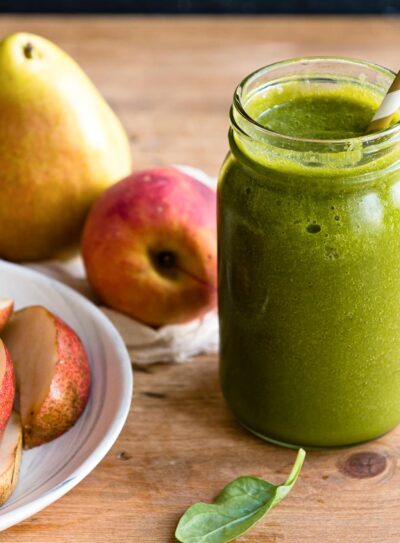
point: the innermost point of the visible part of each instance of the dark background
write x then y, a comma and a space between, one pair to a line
201, 6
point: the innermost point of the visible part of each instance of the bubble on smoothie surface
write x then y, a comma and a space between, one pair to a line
313, 228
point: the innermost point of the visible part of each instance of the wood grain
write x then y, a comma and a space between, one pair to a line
171, 81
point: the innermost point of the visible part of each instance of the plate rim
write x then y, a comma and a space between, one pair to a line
23, 512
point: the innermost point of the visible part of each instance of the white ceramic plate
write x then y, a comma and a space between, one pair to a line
49, 471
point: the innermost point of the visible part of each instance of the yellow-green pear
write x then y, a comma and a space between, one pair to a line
60, 147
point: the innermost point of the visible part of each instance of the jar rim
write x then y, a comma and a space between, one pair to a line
370, 138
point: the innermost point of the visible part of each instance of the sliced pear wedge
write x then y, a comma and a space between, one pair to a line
52, 371
6, 309
10, 457
7, 386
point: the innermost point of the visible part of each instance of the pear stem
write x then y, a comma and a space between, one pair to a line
28, 50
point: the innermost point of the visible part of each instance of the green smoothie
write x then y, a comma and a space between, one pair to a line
309, 263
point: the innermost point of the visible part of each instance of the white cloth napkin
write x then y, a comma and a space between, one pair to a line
173, 343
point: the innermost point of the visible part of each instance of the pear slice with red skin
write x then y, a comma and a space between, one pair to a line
10, 456
52, 370
6, 309
7, 386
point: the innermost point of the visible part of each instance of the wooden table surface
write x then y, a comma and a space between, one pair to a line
171, 81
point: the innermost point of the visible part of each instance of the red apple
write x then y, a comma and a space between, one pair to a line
6, 309
149, 247
7, 386
52, 370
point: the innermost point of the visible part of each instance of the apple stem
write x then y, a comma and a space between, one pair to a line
166, 259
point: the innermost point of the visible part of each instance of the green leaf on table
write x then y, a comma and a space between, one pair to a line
241, 504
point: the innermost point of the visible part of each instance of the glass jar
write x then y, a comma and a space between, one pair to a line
309, 269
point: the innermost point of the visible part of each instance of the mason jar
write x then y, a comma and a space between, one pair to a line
309, 262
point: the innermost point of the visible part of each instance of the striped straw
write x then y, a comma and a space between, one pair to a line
388, 107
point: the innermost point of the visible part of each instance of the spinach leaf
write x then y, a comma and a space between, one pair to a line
242, 503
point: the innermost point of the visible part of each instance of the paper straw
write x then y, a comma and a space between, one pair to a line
388, 107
